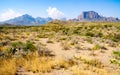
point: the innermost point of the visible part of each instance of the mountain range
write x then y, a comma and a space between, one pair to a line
28, 20
94, 16
83, 17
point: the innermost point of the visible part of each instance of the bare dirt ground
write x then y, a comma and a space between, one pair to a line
59, 52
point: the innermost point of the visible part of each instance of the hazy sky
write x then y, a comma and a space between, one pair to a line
57, 8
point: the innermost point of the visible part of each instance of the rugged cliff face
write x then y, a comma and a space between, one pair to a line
94, 16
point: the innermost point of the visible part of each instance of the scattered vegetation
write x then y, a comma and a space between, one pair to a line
33, 48
117, 53
116, 59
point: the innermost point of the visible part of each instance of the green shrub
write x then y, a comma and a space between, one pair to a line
65, 31
103, 47
18, 44
117, 53
116, 38
89, 34
29, 46
115, 61
99, 34
96, 47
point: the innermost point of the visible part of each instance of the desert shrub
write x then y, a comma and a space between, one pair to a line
50, 41
115, 61
99, 34
94, 63
62, 38
45, 52
89, 40
18, 44
2, 53
21, 47
45, 34
78, 47
61, 63
88, 33
116, 58
116, 38
65, 31
103, 47
90, 62
66, 46
28, 34
96, 47
78, 71
5, 43
77, 30
113, 36
29, 46
41, 36
117, 53
74, 41
15, 47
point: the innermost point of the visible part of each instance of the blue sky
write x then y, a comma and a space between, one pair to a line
57, 8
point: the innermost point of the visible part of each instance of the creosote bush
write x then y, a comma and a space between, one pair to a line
29, 46
22, 47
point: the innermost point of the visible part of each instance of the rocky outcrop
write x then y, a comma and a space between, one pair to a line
94, 16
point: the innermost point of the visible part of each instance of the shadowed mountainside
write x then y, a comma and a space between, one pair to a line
94, 16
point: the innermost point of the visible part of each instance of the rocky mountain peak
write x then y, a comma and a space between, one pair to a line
89, 15
94, 16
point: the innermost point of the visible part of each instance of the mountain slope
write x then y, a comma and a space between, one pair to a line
94, 16
28, 20
40, 20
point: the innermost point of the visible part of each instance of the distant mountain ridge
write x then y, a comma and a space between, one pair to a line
85, 16
94, 16
28, 20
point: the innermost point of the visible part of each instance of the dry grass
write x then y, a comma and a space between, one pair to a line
8, 67
32, 62
71, 36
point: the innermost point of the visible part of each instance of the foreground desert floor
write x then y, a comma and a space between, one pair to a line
61, 48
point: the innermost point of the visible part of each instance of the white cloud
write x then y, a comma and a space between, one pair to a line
54, 13
9, 14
